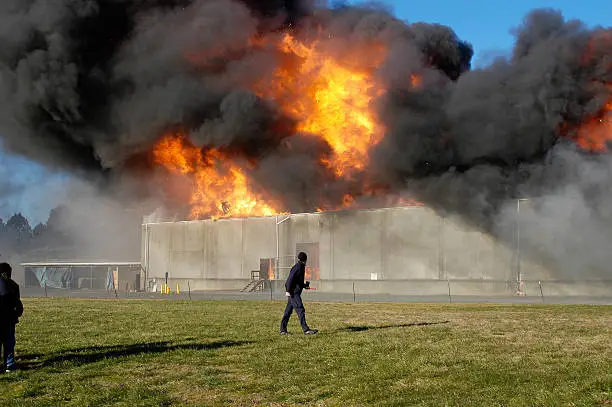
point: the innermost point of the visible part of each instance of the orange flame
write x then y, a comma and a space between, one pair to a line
327, 95
220, 188
270, 270
329, 100
348, 201
595, 134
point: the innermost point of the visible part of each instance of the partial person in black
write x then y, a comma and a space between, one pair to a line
293, 290
11, 309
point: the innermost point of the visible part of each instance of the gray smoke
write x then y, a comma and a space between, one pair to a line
90, 86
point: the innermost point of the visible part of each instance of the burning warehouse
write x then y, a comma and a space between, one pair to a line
407, 250
392, 250
233, 114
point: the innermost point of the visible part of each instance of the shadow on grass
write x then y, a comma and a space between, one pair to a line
361, 328
93, 354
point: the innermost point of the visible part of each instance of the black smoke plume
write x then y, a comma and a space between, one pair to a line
89, 86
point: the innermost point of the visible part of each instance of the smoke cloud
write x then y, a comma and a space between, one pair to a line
90, 86
95, 227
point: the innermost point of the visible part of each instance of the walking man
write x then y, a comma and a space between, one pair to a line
293, 290
11, 309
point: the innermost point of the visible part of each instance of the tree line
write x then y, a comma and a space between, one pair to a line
17, 236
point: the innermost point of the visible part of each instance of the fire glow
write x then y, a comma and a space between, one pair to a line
329, 98
595, 134
220, 188
332, 102
325, 98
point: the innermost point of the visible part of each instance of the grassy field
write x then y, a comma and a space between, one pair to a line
162, 353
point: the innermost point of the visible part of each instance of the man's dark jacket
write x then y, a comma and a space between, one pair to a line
295, 281
11, 307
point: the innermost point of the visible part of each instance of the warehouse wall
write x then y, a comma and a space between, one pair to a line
222, 249
374, 246
398, 243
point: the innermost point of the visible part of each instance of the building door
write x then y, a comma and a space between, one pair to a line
312, 265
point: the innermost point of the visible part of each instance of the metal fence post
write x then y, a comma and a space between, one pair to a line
541, 292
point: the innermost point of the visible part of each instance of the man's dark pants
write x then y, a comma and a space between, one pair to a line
7, 343
294, 302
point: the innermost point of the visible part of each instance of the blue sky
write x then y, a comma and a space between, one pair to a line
33, 190
484, 23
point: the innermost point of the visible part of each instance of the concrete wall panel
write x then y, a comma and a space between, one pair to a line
159, 250
461, 249
188, 264
324, 223
357, 244
188, 236
470, 254
305, 228
187, 254
259, 241
411, 244
223, 249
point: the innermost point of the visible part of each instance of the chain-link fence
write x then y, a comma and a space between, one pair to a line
449, 291
374, 254
268, 283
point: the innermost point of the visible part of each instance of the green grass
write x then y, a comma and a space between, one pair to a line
156, 353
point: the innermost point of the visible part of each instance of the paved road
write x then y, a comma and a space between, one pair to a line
313, 296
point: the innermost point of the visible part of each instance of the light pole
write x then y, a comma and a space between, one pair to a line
519, 278
278, 245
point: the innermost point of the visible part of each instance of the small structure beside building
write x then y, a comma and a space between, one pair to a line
120, 276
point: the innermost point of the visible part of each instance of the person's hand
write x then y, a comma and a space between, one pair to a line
307, 285
287, 294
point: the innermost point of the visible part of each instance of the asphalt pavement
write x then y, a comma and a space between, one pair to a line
33, 292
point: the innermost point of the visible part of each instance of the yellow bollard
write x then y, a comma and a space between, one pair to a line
178, 289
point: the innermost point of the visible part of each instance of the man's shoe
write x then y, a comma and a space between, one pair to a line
11, 369
286, 333
311, 332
